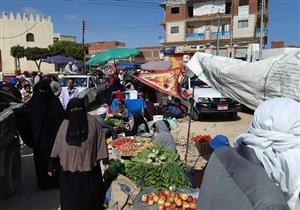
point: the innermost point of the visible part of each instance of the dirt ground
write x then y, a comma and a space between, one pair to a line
211, 125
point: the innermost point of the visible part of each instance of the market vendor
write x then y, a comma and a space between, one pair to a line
139, 126
121, 111
262, 172
107, 128
116, 86
164, 136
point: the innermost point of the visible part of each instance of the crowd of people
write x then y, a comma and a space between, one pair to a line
69, 144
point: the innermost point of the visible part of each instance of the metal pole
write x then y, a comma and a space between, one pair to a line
189, 128
218, 38
83, 33
231, 30
261, 28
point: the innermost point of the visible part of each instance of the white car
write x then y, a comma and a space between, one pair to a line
90, 87
207, 99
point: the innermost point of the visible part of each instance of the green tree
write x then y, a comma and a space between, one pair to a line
17, 52
36, 54
68, 49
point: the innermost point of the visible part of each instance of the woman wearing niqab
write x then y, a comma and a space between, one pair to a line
46, 114
79, 146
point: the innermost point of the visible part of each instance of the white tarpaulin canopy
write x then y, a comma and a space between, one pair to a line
250, 83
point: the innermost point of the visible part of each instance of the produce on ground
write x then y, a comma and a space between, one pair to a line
109, 140
201, 138
157, 167
121, 141
117, 123
128, 149
169, 200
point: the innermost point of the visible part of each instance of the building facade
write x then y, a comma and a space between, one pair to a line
25, 30
208, 25
61, 37
96, 47
149, 53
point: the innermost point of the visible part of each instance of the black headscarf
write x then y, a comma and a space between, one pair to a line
77, 131
46, 115
41, 99
138, 120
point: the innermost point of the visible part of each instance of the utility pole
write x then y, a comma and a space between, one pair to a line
83, 33
261, 28
218, 37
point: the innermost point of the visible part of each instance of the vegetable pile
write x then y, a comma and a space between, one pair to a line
167, 200
130, 147
157, 167
117, 123
121, 141
200, 138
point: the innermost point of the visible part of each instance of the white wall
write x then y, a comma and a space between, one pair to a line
209, 7
178, 37
13, 30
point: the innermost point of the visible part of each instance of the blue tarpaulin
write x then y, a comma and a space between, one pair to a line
134, 105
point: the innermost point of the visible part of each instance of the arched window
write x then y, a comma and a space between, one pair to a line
29, 37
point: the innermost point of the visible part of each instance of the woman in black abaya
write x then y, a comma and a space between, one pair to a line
46, 114
79, 146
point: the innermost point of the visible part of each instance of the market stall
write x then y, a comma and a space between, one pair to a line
133, 105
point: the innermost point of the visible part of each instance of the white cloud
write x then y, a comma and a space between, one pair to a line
30, 10
71, 17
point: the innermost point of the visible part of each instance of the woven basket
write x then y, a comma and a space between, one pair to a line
203, 148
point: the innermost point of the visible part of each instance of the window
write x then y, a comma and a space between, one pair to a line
228, 7
243, 24
174, 10
91, 83
29, 37
191, 11
243, 2
175, 30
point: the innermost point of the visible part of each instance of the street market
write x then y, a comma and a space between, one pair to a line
208, 120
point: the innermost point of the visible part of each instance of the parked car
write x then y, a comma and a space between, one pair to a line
91, 88
10, 159
207, 100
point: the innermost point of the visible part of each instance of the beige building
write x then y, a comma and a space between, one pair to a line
203, 25
61, 37
27, 31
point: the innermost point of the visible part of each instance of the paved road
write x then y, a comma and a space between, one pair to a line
29, 197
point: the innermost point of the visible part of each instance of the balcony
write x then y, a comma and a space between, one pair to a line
211, 36
211, 17
161, 39
258, 32
164, 3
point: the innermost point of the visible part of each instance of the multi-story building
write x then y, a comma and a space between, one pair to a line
25, 30
96, 47
149, 53
223, 27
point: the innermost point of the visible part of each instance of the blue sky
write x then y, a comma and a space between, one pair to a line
137, 23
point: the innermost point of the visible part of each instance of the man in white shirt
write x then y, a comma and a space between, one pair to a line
67, 93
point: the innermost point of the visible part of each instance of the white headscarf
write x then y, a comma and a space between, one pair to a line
274, 134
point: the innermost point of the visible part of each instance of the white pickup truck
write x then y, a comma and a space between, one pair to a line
91, 88
207, 100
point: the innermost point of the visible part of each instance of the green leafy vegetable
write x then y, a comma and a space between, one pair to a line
157, 167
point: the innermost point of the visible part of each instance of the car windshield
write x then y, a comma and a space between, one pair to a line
79, 82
